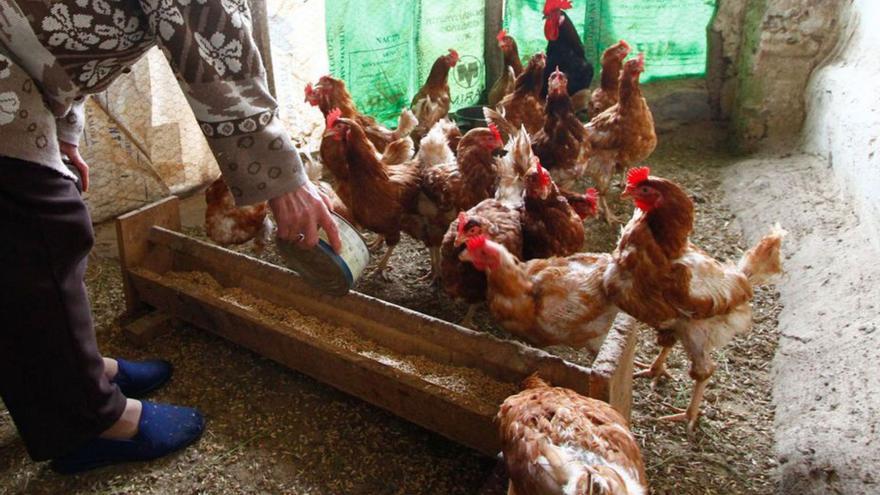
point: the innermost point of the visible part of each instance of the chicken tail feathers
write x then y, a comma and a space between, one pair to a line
434, 147
533, 381
504, 126
406, 124
764, 261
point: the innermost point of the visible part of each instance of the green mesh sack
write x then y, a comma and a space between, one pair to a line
672, 33
384, 50
372, 47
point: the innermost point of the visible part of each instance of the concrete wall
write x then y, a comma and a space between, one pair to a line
843, 111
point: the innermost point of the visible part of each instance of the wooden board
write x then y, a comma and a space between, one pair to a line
460, 418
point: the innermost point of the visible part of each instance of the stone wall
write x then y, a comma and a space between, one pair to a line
761, 57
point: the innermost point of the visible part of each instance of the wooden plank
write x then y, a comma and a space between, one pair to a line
493, 56
143, 329
132, 235
398, 328
465, 421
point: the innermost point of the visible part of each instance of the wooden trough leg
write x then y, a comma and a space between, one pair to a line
611, 379
139, 321
150, 325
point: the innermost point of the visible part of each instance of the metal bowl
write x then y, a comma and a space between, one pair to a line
469, 117
320, 267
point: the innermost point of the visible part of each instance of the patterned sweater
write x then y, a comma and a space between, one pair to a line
52, 52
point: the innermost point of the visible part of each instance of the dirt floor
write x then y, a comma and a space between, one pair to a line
825, 373
271, 430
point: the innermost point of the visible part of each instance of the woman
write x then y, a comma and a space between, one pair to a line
68, 402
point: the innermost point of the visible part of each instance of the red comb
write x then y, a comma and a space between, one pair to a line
501, 35
495, 133
592, 195
636, 176
542, 174
551, 5
332, 117
462, 219
309, 89
477, 242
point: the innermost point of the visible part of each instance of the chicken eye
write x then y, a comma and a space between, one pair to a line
644, 190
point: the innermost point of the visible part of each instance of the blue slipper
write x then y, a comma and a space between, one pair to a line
162, 429
137, 379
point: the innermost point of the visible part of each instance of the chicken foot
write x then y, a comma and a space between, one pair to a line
692, 413
657, 369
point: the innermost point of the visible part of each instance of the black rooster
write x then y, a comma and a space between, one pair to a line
564, 48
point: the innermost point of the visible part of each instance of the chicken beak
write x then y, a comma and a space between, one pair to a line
499, 152
465, 256
626, 194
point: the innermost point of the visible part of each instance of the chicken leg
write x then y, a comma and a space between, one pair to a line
434, 275
382, 267
657, 369
468, 320
376, 242
610, 217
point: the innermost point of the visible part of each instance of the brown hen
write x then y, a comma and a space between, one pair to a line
546, 302
512, 68
525, 106
431, 103
622, 135
330, 93
562, 143
558, 442
659, 277
608, 92
227, 224
377, 194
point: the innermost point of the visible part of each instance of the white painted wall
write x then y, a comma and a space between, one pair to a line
843, 111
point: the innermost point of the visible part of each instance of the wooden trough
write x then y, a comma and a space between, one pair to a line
152, 247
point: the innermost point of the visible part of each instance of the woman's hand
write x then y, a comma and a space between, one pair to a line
300, 212
71, 151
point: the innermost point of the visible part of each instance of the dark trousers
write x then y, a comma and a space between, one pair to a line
51, 374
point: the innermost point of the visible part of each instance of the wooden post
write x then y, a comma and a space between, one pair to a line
493, 55
132, 231
260, 26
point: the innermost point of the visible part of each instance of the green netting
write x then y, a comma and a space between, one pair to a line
672, 33
384, 50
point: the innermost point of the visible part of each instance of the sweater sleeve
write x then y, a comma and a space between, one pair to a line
210, 47
70, 127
